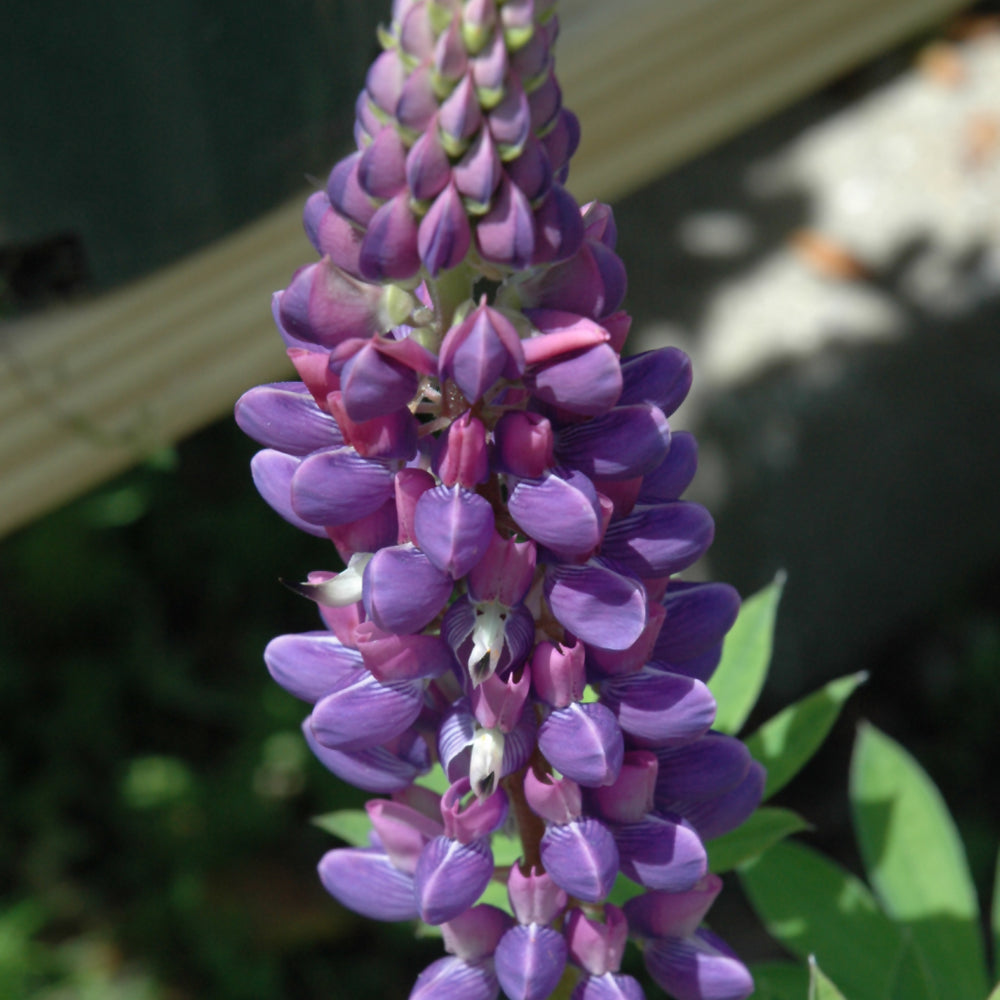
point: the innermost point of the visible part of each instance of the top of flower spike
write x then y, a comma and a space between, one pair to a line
463, 147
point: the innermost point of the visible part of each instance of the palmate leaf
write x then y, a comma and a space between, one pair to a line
916, 863
815, 907
820, 987
763, 829
786, 742
746, 656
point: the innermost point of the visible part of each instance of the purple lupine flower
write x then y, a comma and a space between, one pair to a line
505, 493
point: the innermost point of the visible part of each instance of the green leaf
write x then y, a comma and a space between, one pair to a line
763, 829
820, 986
506, 850
786, 741
746, 655
916, 863
623, 890
815, 907
435, 779
352, 825
995, 995
779, 980
496, 894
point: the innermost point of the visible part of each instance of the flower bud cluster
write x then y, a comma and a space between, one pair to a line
505, 493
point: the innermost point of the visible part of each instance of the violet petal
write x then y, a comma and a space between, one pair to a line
454, 527
337, 486
701, 770
452, 978
559, 511
628, 441
272, 473
403, 589
700, 967
661, 853
661, 378
657, 708
660, 540
610, 986
365, 713
364, 880
698, 616
284, 416
598, 605
529, 961
584, 742
309, 665
581, 857
444, 235
450, 877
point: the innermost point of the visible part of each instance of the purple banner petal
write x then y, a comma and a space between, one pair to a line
284, 416
657, 708
454, 527
661, 377
452, 978
660, 853
659, 541
698, 616
674, 474
403, 589
584, 742
338, 486
598, 605
529, 961
582, 858
701, 967
365, 713
560, 511
450, 877
701, 770
272, 473
627, 442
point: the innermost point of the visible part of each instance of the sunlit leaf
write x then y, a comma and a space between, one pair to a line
814, 907
763, 829
623, 890
746, 656
995, 922
786, 741
351, 825
916, 862
820, 986
435, 779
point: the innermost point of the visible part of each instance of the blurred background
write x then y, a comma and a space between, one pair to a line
808, 201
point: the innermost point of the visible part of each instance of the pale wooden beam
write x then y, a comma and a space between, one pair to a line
87, 390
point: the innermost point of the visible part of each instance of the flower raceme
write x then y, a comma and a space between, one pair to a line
505, 493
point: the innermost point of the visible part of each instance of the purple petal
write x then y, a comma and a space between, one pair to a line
382, 168
714, 817
310, 665
558, 227
284, 416
560, 511
481, 349
478, 172
403, 589
378, 769
392, 657
444, 236
385, 79
460, 115
473, 935
364, 713
545, 102
529, 961
584, 742
272, 473
428, 168
598, 605
506, 233
582, 858
562, 141
325, 305
700, 667
701, 967
332, 234
660, 709
661, 540
364, 880
661, 854
701, 770
587, 382
661, 378
417, 105
450, 58
510, 121
346, 194
698, 616
454, 527
450, 877
374, 385
389, 249
451, 978
338, 486
674, 474
610, 986
531, 172
629, 441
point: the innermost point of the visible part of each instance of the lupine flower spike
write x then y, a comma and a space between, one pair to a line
505, 494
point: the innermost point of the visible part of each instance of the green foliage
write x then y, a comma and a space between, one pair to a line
820, 988
787, 741
746, 656
917, 936
764, 828
916, 864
